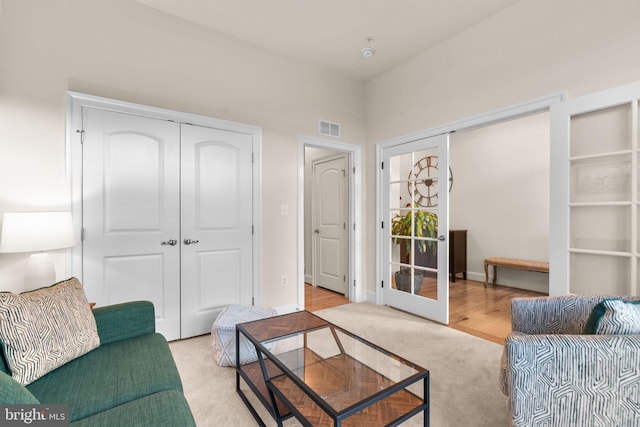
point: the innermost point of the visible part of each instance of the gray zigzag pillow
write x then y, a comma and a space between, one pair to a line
46, 328
614, 317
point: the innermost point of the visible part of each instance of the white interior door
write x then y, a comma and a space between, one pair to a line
167, 217
131, 213
329, 213
415, 227
595, 194
217, 223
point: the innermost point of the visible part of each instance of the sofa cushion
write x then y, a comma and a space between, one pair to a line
111, 375
167, 408
123, 321
46, 328
14, 393
614, 317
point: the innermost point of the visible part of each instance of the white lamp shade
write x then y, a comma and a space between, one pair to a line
36, 231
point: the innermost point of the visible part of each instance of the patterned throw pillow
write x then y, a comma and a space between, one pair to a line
614, 317
46, 328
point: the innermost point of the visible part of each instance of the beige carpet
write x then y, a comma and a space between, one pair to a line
463, 369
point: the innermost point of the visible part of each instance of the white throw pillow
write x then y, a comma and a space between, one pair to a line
46, 328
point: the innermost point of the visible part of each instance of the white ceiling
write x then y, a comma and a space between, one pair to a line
332, 33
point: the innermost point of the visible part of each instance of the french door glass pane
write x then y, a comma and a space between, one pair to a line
637, 195
599, 274
601, 179
398, 167
604, 228
636, 291
638, 235
395, 196
601, 131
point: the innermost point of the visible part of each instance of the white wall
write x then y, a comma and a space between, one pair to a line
123, 50
533, 48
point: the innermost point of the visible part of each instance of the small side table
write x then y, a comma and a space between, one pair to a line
458, 253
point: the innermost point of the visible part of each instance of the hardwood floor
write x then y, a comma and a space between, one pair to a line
473, 309
483, 312
317, 298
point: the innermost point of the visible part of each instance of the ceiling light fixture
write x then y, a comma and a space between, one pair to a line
368, 52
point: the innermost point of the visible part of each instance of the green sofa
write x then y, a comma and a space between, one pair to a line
130, 379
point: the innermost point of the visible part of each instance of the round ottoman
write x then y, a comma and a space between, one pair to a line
223, 333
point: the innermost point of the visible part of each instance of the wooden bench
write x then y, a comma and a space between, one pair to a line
518, 264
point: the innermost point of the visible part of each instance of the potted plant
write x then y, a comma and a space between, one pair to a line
416, 223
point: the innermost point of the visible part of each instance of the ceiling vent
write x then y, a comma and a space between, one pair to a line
329, 128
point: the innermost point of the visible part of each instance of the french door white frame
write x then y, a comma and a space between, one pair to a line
437, 308
515, 111
560, 248
75, 103
356, 290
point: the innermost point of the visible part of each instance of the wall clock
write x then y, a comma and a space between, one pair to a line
423, 181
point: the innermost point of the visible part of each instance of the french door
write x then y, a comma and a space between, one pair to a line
595, 194
167, 217
415, 227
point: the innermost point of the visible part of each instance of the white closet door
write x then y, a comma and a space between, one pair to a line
217, 259
131, 212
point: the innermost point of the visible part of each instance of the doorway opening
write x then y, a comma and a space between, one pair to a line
518, 111
501, 196
328, 234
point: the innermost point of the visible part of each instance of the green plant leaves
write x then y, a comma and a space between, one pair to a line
423, 224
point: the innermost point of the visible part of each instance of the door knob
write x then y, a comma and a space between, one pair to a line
190, 242
441, 238
317, 231
171, 242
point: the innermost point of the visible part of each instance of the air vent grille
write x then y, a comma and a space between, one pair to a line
329, 128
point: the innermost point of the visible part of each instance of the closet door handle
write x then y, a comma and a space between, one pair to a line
171, 242
190, 242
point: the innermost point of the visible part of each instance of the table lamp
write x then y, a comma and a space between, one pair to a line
37, 232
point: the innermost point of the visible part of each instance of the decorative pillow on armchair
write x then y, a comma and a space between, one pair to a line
46, 328
614, 317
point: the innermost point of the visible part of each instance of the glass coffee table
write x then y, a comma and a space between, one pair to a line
323, 375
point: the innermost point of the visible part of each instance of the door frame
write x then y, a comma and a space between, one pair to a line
526, 108
75, 101
314, 254
355, 287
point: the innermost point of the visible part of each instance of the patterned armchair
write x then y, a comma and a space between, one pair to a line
555, 375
